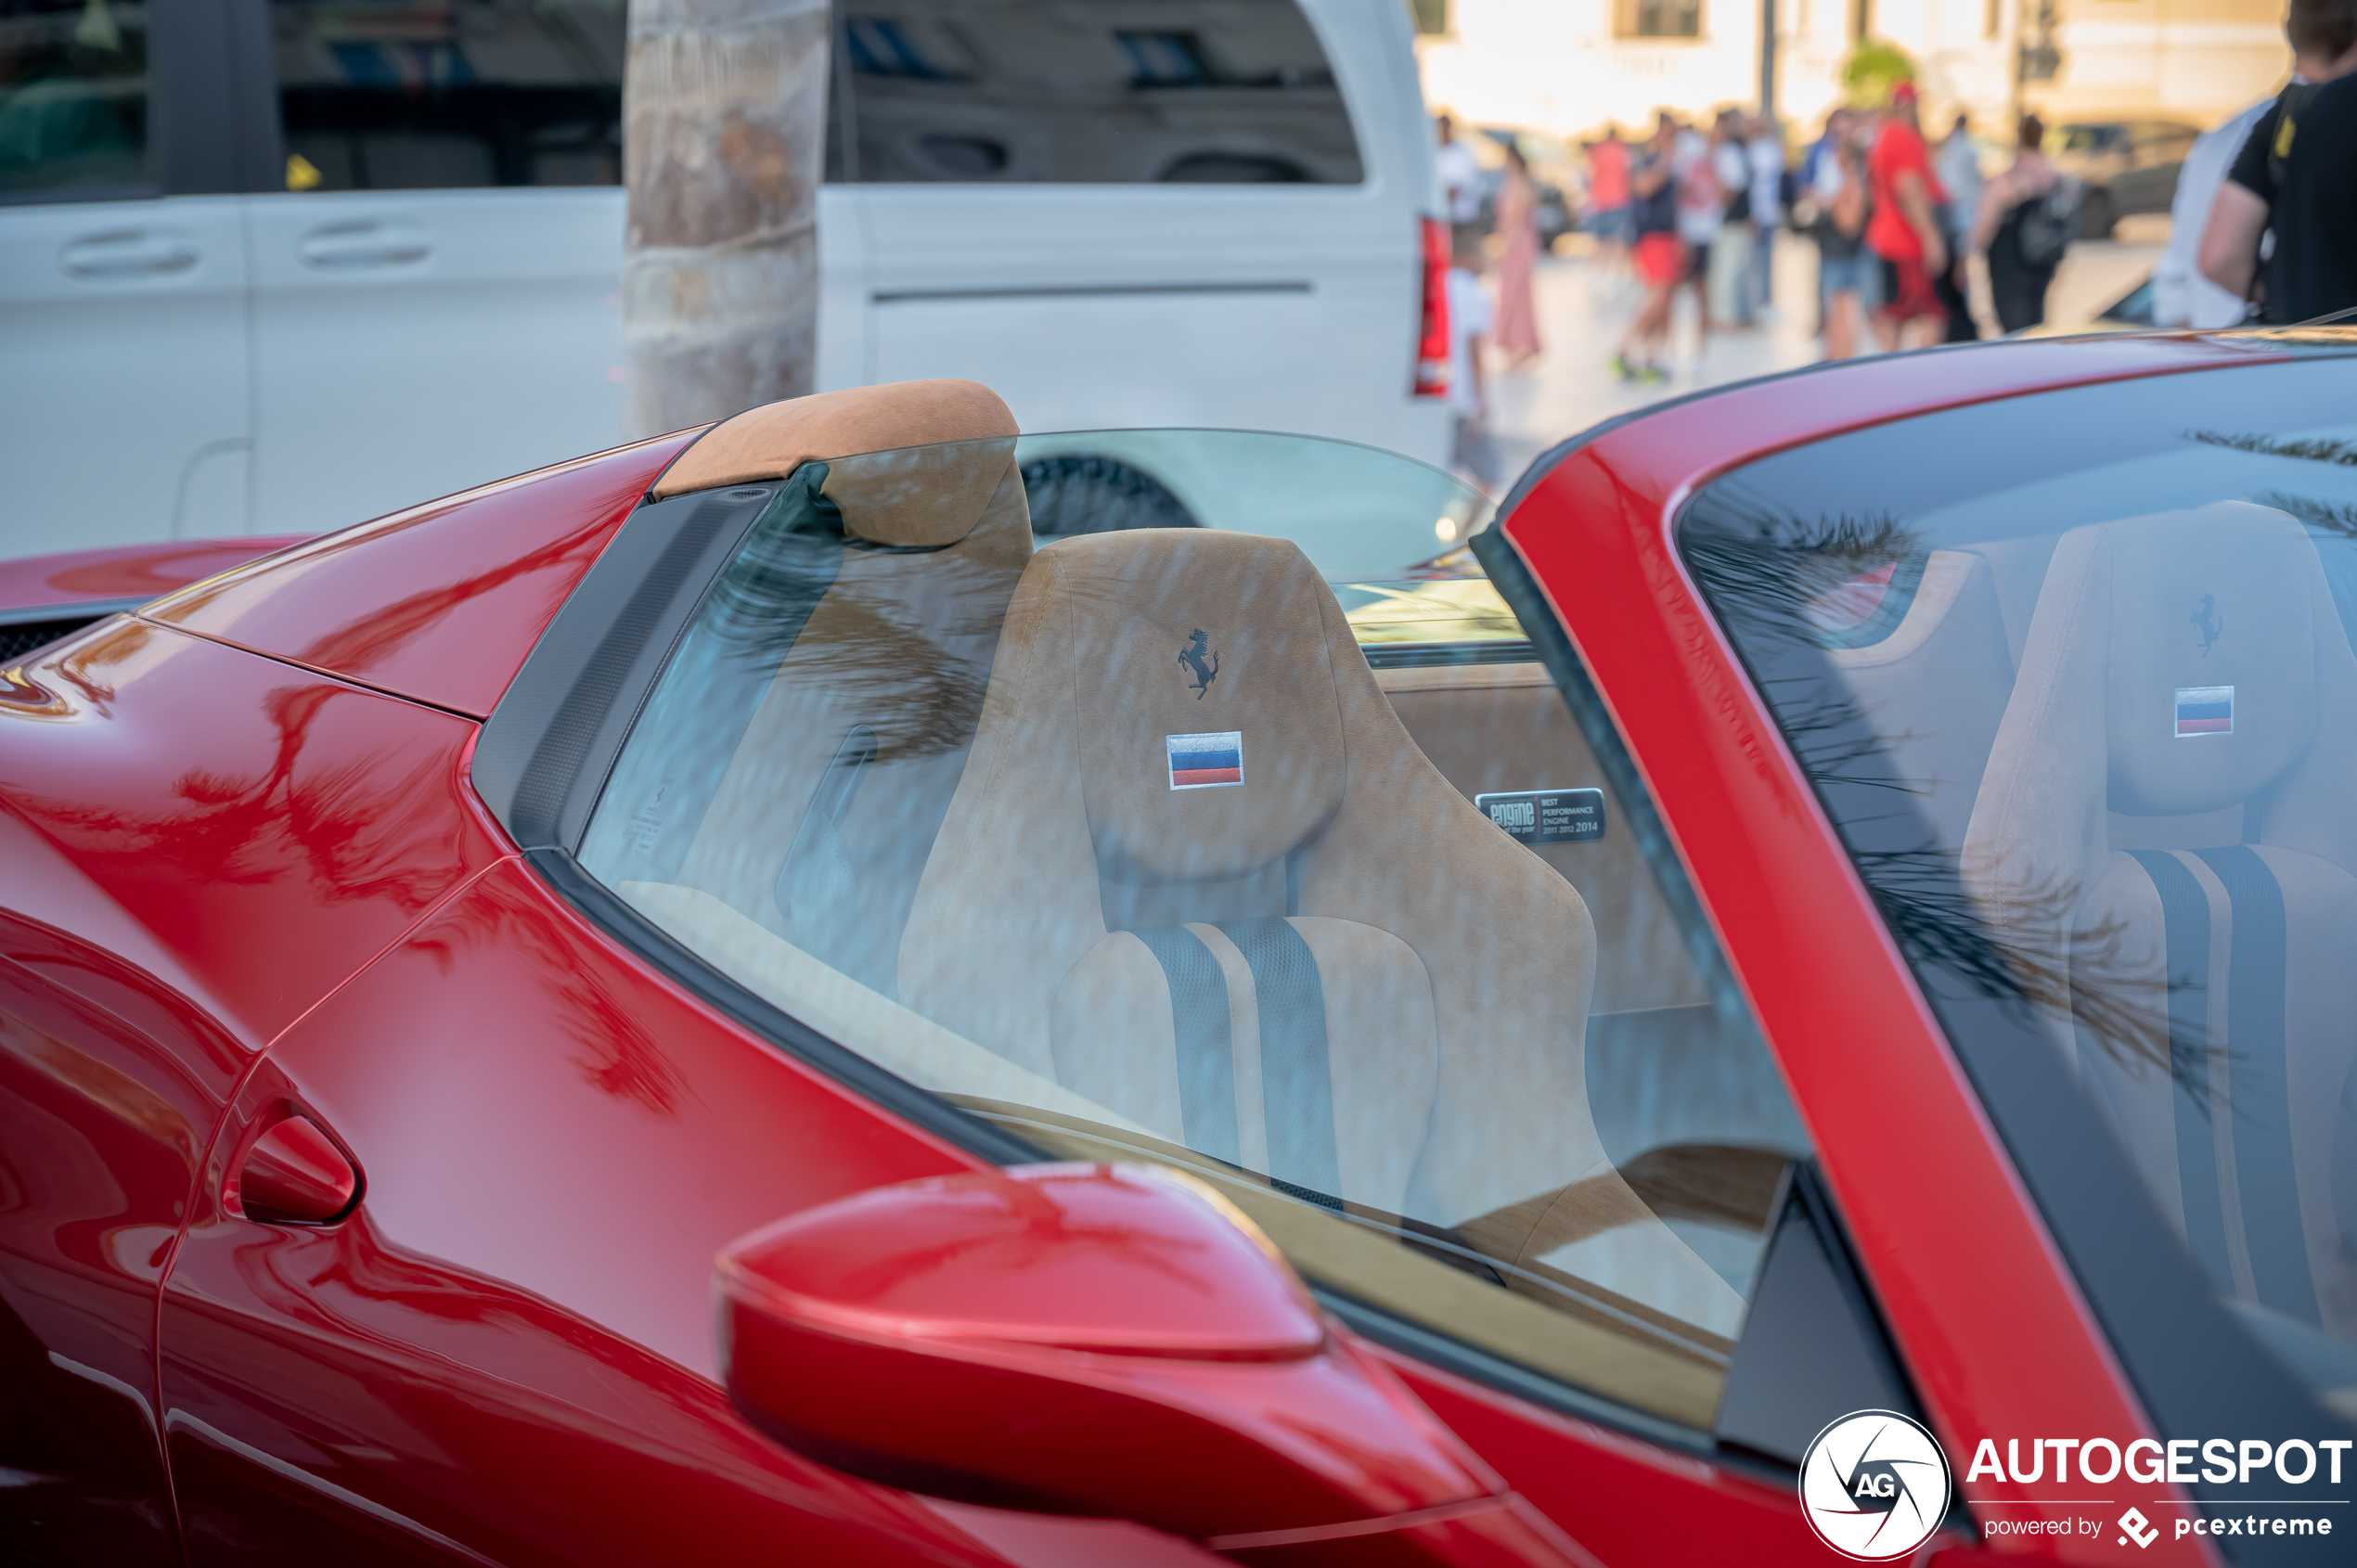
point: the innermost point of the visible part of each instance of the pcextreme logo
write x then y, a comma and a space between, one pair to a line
1874, 1485
2280, 1472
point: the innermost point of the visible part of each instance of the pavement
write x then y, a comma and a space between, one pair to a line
1582, 313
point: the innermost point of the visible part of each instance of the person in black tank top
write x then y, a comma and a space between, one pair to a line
2296, 175
2019, 271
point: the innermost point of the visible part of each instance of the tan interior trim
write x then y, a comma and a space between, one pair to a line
772, 441
1463, 677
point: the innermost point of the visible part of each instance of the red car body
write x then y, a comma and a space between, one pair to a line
45, 597
243, 872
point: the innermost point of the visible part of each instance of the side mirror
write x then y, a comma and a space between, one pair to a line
1106, 1340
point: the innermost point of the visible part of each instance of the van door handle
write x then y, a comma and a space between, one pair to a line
349, 247
294, 1175
128, 254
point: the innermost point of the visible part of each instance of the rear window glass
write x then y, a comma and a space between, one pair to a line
2073, 675
391, 95
1111, 92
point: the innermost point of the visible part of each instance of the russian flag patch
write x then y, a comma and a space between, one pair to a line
2204, 710
1206, 761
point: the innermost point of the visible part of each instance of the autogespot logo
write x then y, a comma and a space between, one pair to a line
1874, 1485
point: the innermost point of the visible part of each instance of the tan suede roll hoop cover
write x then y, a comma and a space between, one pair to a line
774, 440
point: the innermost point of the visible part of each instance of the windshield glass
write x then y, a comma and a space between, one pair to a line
1160, 795
2072, 673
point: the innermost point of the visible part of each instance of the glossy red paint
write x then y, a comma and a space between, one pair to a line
506, 1352
1615, 1489
126, 573
242, 833
1118, 1260
1494, 1533
1996, 1333
199, 844
441, 602
1101, 1339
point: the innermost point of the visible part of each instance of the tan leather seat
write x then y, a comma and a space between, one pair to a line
2187, 689
1336, 971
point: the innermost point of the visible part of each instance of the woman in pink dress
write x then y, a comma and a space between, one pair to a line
1516, 334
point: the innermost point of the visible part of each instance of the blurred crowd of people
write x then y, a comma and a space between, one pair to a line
1697, 210
2263, 225
1893, 218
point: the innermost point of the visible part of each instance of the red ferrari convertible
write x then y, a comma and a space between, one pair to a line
854, 987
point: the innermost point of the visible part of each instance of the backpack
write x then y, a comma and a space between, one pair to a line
2048, 225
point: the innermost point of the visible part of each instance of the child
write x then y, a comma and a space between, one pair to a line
1469, 317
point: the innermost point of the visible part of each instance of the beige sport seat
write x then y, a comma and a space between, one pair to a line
2188, 684
1336, 971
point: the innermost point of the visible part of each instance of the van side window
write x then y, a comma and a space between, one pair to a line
1203, 92
73, 96
377, 96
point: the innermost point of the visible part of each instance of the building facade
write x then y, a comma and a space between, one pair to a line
1573, 66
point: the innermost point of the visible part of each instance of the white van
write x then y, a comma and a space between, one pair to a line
277, 265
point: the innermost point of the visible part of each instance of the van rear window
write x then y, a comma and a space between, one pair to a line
1188, 92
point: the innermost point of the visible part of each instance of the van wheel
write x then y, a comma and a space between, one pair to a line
1091, 494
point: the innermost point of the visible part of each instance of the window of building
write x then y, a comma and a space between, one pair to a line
1658, 19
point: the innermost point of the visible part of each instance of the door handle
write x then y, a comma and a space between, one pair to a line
128, 254
349, 247
294, 1175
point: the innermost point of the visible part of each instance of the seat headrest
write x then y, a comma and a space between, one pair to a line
931, 454
2176, 665
1199, 667
2206, 625
924, 496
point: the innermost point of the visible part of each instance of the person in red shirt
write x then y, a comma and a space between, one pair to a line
1904, 231
1608, 199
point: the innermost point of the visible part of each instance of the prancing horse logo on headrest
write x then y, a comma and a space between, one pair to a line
2207, 622
1191, 656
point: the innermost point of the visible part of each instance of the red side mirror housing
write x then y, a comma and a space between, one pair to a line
1108, 1340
